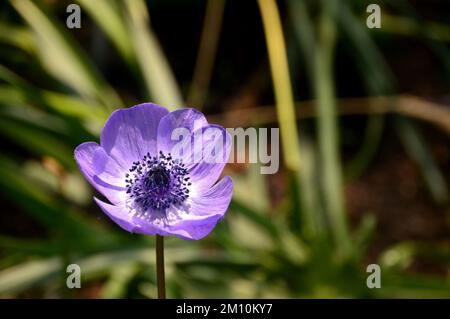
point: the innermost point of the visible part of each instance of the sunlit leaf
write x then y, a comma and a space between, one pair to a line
63, 58
160, 82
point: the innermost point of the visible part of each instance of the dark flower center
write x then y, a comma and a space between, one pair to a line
157, 182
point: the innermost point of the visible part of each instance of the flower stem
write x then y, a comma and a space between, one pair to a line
160, 280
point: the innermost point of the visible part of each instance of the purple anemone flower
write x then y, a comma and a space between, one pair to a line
159, 171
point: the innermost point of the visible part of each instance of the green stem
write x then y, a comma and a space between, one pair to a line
160, 280
328, 133
206, 53
281, 82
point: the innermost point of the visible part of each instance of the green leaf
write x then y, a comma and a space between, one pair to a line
118, 281
62, 103
364, 234
37, 141
18, 36
251, 189
108, 16
45, 209
25, 275
160, 82
28, 274
399, 285
63, 58
258, 218
31, 246
416, 147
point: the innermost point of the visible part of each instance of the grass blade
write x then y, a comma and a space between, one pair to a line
281, 82
328, 131
108, 16
63, 58
160, 82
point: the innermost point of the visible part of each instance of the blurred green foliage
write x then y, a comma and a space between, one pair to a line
305, 249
